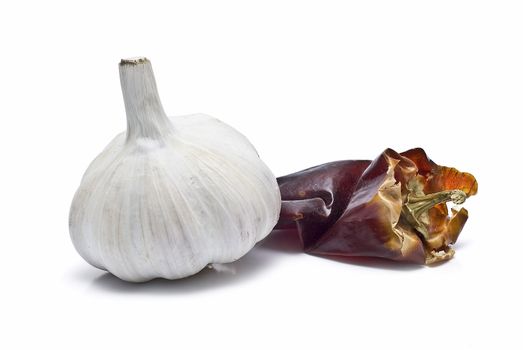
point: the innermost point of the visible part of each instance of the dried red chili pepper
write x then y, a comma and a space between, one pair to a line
393, 207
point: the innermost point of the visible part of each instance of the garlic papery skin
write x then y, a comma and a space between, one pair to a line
170, 195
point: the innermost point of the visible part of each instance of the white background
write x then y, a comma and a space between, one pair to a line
308, 82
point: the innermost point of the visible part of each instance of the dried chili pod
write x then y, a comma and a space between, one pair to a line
393, 207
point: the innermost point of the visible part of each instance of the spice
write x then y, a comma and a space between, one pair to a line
170, 195
393, 207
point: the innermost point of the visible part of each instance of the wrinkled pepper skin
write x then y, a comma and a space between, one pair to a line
393, 207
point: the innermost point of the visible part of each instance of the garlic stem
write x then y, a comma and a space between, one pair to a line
145, 115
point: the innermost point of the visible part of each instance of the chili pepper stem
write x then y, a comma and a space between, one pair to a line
415, 206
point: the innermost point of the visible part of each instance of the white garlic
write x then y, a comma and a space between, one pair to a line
170, 196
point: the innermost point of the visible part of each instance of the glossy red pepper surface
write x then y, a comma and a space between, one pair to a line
393, 207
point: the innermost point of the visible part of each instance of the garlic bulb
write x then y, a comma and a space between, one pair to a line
170, 196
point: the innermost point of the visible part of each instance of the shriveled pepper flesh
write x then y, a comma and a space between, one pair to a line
393, 207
